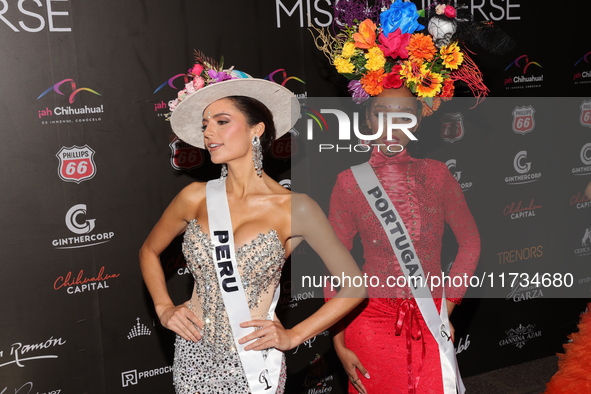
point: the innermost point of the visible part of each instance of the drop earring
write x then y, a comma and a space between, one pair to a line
224, 171
257, 155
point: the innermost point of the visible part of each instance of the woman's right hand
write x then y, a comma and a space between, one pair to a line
351, 364
181, 320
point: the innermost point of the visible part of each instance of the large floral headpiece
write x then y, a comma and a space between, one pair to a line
389, 46
205, 72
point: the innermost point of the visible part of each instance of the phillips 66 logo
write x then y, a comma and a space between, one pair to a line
452, 127
184, 156
523, 119
585, 118
76, 163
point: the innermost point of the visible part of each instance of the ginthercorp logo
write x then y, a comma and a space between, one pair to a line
522, 71
522, 167
132, 377
465, 185
78, 224
452, 127
585, 156
585, 118
402, 121
582, 76
523, 119
63, 114
76, 163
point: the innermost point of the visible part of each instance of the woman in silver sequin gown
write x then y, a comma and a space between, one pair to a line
265, 233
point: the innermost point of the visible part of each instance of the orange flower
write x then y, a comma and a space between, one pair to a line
421, 47
427, 110
366, 38
429, 83
447, 91
372, 82
451, 56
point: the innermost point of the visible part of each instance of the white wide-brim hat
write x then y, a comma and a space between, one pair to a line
186, 119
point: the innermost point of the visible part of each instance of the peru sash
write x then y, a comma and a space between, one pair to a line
262, 368
410, 264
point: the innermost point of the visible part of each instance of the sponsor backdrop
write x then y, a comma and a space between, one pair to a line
89, 163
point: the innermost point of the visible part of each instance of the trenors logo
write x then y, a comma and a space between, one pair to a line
523, 119
522, 63
76, 163
522, 167
402, 121
75, 91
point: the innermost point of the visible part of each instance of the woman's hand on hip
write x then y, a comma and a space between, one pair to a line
181, 320
270, 334
351, 364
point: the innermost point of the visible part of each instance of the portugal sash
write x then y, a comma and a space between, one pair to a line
410, 264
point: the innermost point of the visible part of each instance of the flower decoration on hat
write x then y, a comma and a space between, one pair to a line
205, 72
394, 44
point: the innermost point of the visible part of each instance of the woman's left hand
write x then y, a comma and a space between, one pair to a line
270, 334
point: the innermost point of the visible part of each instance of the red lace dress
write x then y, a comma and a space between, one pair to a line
387, 331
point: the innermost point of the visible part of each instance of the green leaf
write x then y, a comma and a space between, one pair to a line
421, 13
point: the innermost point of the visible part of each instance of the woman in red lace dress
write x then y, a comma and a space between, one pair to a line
385, 345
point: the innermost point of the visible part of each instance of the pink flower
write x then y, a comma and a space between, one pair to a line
450, 11
172, 104
198, 82
189, 88
394, 45
196, 70
440, 9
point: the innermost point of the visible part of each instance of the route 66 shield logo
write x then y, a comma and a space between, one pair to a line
76, 163
523, 119
284, 148
585, 118
452, 127
185, 156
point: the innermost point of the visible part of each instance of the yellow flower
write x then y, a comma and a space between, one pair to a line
409, 71
375, 59
348, 50
451, 55
343, 66
429, 83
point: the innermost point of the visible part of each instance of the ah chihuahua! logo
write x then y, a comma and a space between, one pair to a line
523, 74
63, 114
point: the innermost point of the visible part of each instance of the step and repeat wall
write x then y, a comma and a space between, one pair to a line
89, 162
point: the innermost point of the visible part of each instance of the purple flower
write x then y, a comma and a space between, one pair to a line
357, 92
219, 76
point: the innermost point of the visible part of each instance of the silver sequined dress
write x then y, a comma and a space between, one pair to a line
212, 364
